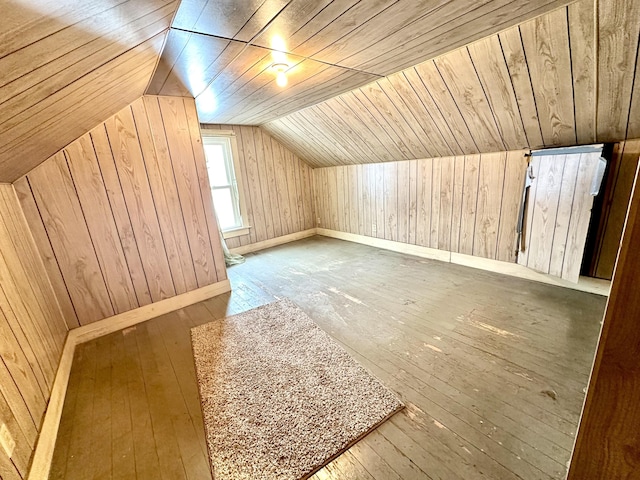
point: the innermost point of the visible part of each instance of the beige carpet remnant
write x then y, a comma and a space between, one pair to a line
280, 398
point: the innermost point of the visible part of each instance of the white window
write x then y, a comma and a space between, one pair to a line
219, 149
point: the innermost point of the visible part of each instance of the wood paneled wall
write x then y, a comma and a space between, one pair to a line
466, 204
607, 441
66, 66
32, 334
616, 202
123, 215
278, 186
567, 77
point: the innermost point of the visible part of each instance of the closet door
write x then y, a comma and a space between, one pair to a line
558, 209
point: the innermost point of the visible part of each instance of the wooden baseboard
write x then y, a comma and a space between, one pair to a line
273, 242
585, 284
43, 454
142, 314
416, 250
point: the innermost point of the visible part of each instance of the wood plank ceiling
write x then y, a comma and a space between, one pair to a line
567, 77
67, 65
220, 51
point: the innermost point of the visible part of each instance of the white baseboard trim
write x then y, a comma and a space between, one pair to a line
416, 250
43, 454
273, 242
585, 284
147, 312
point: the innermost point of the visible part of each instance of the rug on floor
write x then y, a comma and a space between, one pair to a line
280, 398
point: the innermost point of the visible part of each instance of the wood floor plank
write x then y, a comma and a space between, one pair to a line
146, 456
122, 448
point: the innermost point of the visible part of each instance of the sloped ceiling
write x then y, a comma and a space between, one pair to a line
67, 65
564, 78
220, 51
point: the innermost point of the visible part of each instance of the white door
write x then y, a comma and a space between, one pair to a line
558, 209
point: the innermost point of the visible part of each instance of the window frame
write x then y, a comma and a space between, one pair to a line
236, 182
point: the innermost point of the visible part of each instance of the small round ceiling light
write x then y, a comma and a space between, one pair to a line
281, 75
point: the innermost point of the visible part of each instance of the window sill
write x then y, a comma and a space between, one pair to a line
236, 232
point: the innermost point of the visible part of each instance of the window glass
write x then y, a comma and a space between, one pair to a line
218, 175
222, 199
222, 178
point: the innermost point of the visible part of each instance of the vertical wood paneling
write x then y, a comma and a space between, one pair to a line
523, 254
32, 329
445, 218
580, 217
180, 145
339, 198
458, 193
263, 176
466, 204
155, 151
206, 196
490, 188
560, 213
423, 223
120, 213
469, 203
277, 186
92, 196
404, 201
515, 170
379, 198
366, 200
66, 227
391, 200
36, 226
563, 217
436, 170
270, 180
413, 200
548, 185
124, 211
129, 165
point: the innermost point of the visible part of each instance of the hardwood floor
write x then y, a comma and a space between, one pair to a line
492, 369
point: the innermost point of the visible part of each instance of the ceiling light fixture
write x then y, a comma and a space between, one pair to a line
281, 76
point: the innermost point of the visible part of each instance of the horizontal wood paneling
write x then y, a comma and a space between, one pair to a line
465, 204
123, 214
559, 79
221, 54
32, 334
67, 66
277, 186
